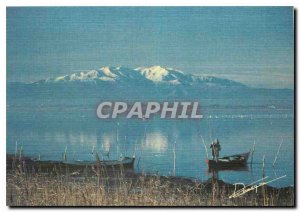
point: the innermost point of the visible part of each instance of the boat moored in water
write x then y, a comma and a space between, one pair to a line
229, 162
123, 162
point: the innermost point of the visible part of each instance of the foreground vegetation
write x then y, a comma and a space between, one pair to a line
101, 187
62, 190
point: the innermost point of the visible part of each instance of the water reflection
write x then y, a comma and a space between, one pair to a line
156, 142
107, 142
153, 142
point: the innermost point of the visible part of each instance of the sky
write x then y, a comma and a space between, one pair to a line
252, 45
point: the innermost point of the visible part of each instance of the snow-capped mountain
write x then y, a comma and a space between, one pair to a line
154, 83
152, 75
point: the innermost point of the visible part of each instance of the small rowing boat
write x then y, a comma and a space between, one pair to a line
124, 162
229, 162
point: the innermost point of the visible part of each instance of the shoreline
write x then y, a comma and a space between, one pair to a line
100, 186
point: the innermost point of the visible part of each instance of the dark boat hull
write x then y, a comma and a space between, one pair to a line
229, 162
46, 166
125, 162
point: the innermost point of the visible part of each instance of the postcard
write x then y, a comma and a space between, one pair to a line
150, 106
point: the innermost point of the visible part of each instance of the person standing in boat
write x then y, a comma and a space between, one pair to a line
215, 149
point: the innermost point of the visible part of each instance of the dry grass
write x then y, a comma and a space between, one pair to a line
119, 189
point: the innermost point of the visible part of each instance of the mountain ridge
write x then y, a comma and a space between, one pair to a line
153, 83
156, 75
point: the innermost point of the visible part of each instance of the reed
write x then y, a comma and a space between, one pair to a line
263, 177
102, 187
65, 154
174, 159
204, 147
275, 159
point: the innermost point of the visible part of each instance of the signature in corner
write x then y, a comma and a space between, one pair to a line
251, 186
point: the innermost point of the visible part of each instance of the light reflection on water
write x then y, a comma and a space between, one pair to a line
152, 142
155, 142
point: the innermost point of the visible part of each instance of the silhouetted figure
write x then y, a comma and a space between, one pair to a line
215, 149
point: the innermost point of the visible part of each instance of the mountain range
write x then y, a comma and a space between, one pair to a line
153, 83
155, 75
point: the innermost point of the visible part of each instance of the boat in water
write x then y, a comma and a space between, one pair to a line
229, 162
47, 165
126, 162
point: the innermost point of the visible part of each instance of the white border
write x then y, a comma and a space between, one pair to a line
149, 3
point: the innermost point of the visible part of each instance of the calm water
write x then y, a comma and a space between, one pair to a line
48, 131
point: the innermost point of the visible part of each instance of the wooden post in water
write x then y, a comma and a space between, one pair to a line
21, 153
263, 176
16, 151
204, 147
126, 146
65, 154
263, 167
134, 148
74, 155
252, 152
118, 139
174, 159
277, 153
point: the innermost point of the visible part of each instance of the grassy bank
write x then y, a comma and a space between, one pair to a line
129, 189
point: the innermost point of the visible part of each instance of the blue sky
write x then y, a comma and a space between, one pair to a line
253, 45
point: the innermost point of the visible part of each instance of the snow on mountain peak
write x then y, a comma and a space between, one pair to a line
108, 73
153, 74
157, 73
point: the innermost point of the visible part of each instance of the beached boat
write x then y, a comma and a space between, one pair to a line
124, 162
229, 162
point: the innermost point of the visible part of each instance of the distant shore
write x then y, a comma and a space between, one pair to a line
122, 187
